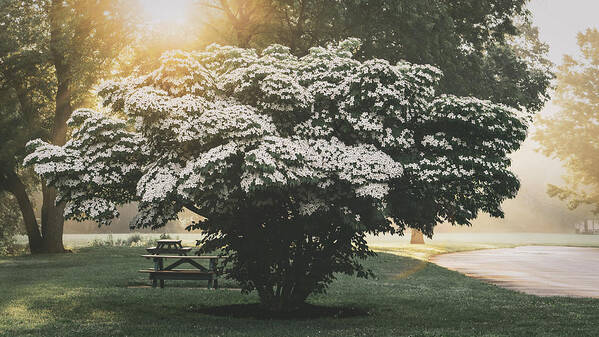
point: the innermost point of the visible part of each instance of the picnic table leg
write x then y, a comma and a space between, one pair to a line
161, 266
212, 283
156, 268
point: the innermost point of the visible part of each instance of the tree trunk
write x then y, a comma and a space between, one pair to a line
285, 300
417, 237
14, 185
49, 240
53, 214
240, 20
52, 221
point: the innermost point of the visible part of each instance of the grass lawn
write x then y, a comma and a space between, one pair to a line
96, 292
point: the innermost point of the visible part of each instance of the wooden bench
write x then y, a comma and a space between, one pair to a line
161, 273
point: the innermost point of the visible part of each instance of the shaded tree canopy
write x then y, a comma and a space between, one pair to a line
571, 134
486, 49
292, 160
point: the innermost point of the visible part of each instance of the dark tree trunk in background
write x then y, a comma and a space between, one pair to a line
63, 103
52, 217
52, 213
241, 21
12, 183
417, 237
49, 239
52, 221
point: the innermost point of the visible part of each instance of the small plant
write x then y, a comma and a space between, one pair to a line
110, 242
134, 240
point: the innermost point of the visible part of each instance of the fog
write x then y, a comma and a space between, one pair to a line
532, 210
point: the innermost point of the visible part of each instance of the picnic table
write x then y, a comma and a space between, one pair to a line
161, 273
169, 247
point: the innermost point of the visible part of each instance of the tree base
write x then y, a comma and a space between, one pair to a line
48, 250
417, 237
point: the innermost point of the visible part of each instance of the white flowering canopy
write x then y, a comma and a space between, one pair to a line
244, 137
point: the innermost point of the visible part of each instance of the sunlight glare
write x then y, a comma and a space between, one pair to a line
166, 12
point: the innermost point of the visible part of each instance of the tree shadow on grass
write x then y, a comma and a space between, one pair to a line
256, 311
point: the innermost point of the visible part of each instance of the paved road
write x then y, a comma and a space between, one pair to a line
538, 270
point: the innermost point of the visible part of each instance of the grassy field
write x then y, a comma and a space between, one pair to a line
98, 292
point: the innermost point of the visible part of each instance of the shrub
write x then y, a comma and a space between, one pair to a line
134, 239
291, 161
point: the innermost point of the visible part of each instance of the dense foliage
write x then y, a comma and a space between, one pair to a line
571, 134
291, 160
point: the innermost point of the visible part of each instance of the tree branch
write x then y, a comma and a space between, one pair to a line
194, 209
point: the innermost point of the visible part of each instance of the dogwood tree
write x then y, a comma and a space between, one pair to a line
291, 160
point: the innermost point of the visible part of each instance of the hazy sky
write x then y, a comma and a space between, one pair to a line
560, 20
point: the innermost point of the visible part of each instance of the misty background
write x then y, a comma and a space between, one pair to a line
559, 21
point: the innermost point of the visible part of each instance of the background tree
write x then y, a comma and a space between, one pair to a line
571, 134
237, 22
51, 53
291, 161
486, 49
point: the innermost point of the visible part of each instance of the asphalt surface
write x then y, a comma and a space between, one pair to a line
538, 270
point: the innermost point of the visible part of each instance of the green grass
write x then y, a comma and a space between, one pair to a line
95, 292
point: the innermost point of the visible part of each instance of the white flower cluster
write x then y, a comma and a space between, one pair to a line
96, 170
291, 161
226, 127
